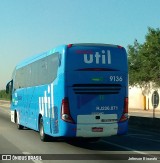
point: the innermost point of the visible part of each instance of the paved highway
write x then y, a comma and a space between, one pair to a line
137, 144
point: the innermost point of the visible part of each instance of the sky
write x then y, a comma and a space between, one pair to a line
29, 27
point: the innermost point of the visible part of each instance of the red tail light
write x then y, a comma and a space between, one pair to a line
69, 45
124, 116
65, 112
120, 47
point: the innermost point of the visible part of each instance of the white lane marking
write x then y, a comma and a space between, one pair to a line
123, 147
148, 132
145, 138
129, 149
36, 161
136, 135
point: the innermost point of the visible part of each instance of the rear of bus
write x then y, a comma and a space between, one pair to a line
96, 101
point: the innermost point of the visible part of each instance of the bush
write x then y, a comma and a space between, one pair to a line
4, 95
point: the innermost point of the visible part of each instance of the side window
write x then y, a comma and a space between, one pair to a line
43, 71
34, 74
22, 77
16, 83
53, 64
28, 73
13, 77
19, 80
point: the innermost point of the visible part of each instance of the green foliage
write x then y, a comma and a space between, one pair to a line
3, 95
144, 60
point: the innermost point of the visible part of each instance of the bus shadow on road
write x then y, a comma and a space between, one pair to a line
117, 143
91, 145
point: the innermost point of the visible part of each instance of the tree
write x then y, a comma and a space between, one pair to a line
3, 95
144, 61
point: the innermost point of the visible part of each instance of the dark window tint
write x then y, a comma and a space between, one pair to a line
40, 72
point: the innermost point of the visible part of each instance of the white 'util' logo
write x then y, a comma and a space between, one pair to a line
103, 58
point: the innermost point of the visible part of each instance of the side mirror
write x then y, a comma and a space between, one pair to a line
9, 87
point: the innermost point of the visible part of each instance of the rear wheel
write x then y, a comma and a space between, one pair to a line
43, 136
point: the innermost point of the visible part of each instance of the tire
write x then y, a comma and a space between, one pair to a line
42, 134
19, 127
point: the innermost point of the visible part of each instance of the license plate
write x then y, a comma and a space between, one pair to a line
97, 129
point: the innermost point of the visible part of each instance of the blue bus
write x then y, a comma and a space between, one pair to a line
75, 90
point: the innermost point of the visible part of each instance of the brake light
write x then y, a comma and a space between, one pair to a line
121, 47
65, 112
69, 45
124, 116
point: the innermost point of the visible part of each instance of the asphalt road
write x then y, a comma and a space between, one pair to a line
137, 144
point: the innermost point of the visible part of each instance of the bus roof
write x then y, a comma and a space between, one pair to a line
95, 44
53, 50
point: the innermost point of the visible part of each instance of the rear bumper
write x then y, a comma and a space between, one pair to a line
105, 130
86, 130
